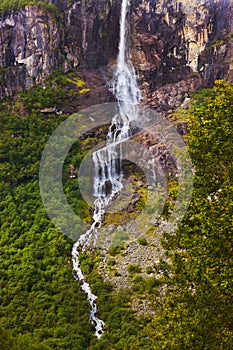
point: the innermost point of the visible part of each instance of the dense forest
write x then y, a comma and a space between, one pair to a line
41, 305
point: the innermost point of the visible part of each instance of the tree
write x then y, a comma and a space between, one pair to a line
197, 312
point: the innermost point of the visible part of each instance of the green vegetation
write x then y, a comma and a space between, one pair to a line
76, 81
19, 342
6, 5
118, 242
134, 268
69, 78
142, 241
41, 303
84, 91
111, 262
197, 312
225, 40
149, 269
42, 307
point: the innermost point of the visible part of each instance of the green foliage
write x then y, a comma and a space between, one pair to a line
142, 241
42, 307
42, 97
6, 5
20, 342
111, 262
75, 81
41, 304
84, 91
68, 78
133, 268
149, 269
197, 311
118, 241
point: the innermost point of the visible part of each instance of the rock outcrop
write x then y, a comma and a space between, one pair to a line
36, 41
171, 41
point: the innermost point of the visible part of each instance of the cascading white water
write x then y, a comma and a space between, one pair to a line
107, 161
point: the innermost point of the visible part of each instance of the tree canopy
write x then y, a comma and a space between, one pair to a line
41, 305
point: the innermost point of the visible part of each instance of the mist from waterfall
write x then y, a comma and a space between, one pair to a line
107, 161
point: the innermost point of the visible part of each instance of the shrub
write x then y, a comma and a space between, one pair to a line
134, 268
142, 241
149, 269
111, 262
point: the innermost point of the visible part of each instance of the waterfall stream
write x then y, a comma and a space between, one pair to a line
107, 161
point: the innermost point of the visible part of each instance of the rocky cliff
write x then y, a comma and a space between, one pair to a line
172, 41
36, 41
186, 44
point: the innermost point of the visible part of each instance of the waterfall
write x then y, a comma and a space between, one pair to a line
107, 161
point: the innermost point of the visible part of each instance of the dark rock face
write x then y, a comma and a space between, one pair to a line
92, 31
170, 96
171, 41
34, 42
175, 39
30, 46
12, 80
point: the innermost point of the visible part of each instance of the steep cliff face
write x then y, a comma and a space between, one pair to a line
172, 40
176, 39
30, 47
35, 41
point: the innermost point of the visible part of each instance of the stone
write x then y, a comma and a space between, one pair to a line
173, 40
170, 42
34, 43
